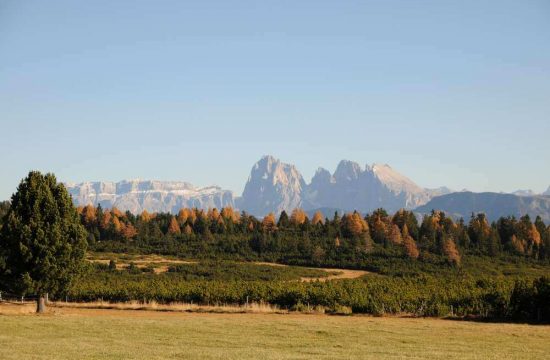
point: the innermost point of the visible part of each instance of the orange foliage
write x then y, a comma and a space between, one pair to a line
318, 218
106, 221
355, 224
117, 213
268, 223
298, 216
395, 235
174, 227
533, 235
518, 245
89, 214
188, 230
145, 216
213, 214
183, 215
409, 244
229, 214
129, 231
117, 225
451, 252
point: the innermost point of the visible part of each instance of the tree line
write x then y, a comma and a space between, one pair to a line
319, 238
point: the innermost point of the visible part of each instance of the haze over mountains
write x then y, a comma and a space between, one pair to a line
274, 186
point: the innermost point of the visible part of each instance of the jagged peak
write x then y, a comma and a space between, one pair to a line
321, 171
347, 170
321, 175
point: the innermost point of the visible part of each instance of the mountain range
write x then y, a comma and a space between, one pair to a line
274, 186
494, 205
153, 196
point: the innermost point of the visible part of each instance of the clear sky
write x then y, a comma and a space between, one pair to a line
453, 93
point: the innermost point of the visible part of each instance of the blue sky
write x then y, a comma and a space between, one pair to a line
453, 93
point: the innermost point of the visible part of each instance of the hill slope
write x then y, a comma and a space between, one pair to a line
494, 205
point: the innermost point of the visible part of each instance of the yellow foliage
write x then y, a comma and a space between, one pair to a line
145, 216
268, 223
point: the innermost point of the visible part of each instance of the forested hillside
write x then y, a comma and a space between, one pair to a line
351, 240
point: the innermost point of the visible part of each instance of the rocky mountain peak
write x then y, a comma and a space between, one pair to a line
394, 180
272, 186
347, 171
322, 176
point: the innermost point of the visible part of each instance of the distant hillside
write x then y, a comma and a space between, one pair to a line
494, 205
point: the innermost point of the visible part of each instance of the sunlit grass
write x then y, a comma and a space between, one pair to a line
118, 334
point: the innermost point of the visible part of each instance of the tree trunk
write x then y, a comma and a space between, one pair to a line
40, 305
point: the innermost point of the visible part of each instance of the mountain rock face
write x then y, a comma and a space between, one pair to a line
526, 192
493, 205
547, 192
273, 186
153, 196
354, 188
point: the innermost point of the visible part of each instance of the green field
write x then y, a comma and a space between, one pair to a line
116, 334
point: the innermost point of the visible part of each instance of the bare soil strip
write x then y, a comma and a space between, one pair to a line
336, 274
161, 265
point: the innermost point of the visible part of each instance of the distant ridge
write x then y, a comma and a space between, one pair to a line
274, 186
493, 205
154, 196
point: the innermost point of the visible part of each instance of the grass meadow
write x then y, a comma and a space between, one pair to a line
76, 333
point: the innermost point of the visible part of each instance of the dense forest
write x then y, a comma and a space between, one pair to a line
349, 240
433, 266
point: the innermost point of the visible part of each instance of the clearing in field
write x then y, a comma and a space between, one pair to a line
66, 333
161, 264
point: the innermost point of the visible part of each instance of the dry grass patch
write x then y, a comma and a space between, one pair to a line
252, 308
76, 333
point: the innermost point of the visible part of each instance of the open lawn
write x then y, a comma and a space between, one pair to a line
69, 333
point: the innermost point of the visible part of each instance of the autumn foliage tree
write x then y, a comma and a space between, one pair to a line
409, 244
451, 252
268, 223
174, 227
298, 217
318, 218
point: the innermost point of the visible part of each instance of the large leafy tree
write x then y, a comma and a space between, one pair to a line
42, 242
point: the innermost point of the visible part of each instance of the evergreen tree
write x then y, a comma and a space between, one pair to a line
283, 220
43, 243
